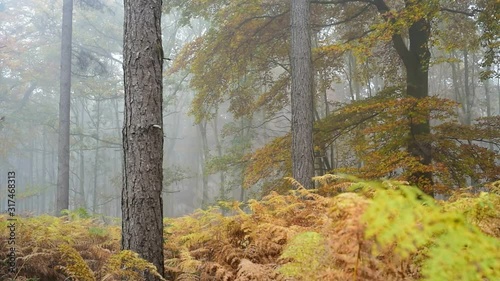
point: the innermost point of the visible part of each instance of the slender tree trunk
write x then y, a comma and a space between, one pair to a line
43, 208
62, 201
203, 163
456, 91
467, 90
222, 176
118, 164
350, 77
487, 93
95, 199
301, 96
81, 202
142, 217
498, 92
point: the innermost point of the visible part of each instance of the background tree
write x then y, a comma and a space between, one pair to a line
415, 58
64, 108
142, 209
232, 72
390, 43
301, 94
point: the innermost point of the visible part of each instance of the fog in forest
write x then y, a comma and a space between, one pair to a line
209, 140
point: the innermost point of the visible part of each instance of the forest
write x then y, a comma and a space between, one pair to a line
249, 140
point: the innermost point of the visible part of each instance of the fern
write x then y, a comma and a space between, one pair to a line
127, 265
307, 254
403, 218
75, 265
381, 230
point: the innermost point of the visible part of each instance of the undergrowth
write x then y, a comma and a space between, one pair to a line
345, 230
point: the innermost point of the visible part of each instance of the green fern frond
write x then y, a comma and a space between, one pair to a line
404, 218
75, 266
128, 265
307, 253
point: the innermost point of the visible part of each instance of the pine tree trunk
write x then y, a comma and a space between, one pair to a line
301, 96
62, 194
142, 217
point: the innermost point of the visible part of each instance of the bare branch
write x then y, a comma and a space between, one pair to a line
357, 14
467, 13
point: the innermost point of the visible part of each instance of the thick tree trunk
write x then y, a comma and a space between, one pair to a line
62, 197
142, 217
301, 96
417, 86
416, 59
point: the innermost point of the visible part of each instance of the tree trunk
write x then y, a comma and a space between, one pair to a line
417, 86
62, 197
205, 153
468, 98
218, 145
489, 111
142, 217
301, 96
416, 59
95, 199
81, 200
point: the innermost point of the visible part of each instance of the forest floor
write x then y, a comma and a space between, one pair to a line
378, 231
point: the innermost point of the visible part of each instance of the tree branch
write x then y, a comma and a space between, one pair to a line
467, 13
357, 14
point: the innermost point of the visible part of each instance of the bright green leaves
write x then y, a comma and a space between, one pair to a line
301, 250
402, 218
396, 214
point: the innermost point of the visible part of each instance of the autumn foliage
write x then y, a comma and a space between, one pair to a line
345, 230
373, 133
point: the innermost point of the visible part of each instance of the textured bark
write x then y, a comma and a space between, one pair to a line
142, 217
301, 96
62, 194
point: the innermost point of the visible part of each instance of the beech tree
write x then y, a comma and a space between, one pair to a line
415, 58
244, 60
142, 217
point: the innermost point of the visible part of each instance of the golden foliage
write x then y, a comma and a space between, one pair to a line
127, 265
59, 248
382, 231
75, 265
49, 248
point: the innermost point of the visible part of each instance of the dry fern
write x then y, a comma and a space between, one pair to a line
75, 265
384, 231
